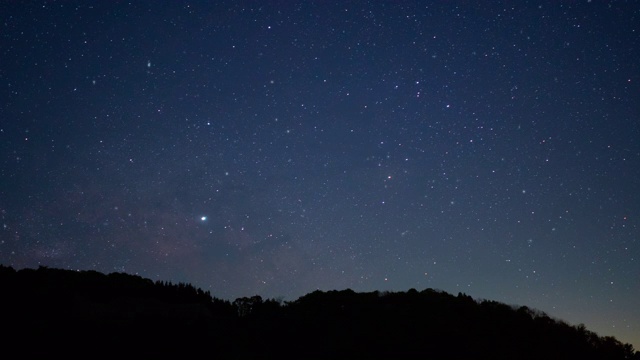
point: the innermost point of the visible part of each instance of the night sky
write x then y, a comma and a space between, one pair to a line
276, 148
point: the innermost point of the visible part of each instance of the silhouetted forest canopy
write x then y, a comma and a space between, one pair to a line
49, 311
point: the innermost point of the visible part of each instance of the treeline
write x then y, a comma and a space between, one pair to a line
48, 312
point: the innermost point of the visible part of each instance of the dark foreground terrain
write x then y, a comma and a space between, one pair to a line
89, 314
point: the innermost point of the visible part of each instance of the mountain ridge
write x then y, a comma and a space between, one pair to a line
74, 313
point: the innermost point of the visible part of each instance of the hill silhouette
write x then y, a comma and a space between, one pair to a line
88, 314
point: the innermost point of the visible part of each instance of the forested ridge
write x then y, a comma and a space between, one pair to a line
48, 311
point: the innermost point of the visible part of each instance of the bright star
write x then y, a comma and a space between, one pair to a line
203, 218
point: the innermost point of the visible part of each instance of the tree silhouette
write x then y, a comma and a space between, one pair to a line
53, 312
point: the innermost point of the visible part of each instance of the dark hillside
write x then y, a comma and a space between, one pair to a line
61, 312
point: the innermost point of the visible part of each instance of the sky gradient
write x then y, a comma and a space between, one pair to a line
276, 148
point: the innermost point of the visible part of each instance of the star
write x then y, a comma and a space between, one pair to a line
319, 147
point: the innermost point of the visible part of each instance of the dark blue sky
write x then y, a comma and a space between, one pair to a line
275, 148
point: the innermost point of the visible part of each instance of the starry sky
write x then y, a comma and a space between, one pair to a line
279, 147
